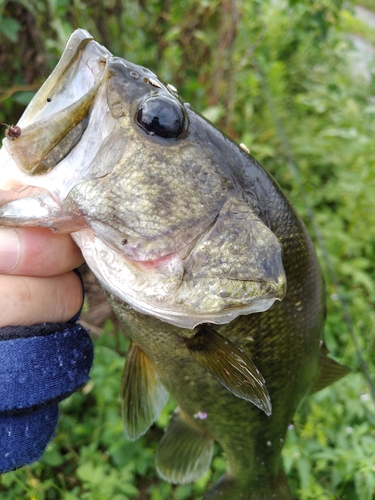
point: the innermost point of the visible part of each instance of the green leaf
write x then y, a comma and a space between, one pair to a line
52, 457
23, 97
9, 27
213, 113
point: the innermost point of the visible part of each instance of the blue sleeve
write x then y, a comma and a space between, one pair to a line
39, 366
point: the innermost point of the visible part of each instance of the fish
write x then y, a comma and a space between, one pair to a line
200, 254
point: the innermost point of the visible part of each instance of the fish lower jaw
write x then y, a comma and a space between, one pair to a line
167, 296
185, 315
189, 319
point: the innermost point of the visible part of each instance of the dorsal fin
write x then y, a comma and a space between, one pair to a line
230, 365
185, 451
329, 371
142, 394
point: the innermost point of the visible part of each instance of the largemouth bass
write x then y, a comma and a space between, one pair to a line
200, 254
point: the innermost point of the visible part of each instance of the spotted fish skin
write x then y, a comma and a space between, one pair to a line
283, 342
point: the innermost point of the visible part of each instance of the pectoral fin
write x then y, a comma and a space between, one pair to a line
142, 394
231, 366
185, 451
329, 371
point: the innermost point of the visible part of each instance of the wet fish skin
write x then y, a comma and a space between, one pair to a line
181, 231
283, 342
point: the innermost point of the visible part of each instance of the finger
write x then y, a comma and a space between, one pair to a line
29, 300
37, 252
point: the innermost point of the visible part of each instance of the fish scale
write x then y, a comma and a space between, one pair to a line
200, 254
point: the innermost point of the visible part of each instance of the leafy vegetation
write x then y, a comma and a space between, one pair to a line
278, 76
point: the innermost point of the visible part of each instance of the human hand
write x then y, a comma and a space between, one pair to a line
49, 358
36, 279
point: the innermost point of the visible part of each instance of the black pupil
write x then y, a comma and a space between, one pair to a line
161, 116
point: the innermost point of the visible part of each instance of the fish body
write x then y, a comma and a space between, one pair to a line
199, 252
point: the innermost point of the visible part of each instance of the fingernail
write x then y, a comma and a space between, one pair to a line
9, 249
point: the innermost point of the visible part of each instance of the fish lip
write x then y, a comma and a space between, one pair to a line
81, 51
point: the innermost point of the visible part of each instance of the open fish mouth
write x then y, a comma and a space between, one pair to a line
159, 219
56, 118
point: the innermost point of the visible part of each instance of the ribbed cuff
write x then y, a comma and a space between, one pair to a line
39, 366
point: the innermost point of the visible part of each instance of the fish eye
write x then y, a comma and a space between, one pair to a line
161, 116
